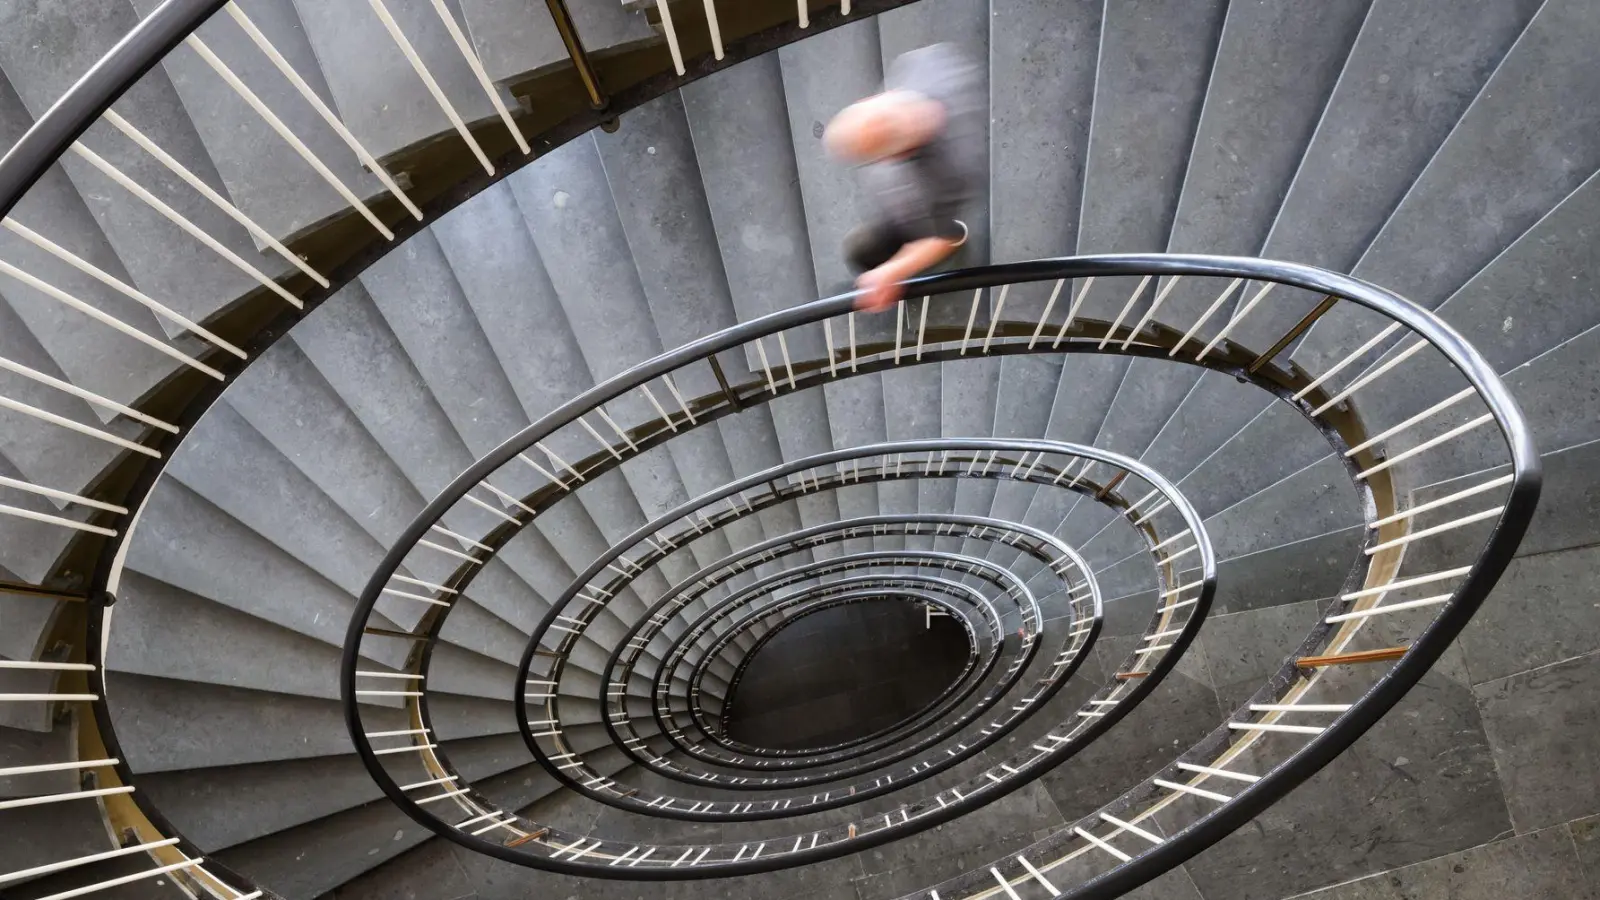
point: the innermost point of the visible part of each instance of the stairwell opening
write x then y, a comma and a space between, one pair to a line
844, 673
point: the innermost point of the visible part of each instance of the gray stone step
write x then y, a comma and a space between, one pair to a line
377, 93
167, 632
1554, 392
1551, 271
1040, 151
1438, 716
223, 807
165, 724
651, 167
27, 746
1142, 106
417, 293
44, 50
189, 543
314, 858
266, 179
1315, 501
488, 249
747, 165
514, 37
820, 77
48, 454
1039, 176
355, 351
29, 715
229, 463
1246, 149
45, 834
94, 358
503, 279
1524, 143
1279, 442
30, 548
1413, 63
1310, 569
1083, 395
752, 444
290, 404
1358, 126
567, 203
967, 402
456, 670
740, 126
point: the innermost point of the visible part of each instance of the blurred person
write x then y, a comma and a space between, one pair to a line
918, 147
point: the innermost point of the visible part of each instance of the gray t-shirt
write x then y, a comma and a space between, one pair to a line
922, 193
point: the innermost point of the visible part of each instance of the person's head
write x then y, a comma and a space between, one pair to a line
884, 125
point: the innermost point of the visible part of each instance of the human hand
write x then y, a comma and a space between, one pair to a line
880, 290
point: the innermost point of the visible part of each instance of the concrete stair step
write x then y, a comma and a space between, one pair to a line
46, 453
1553, 311
314, 858
115, 366
1256, 135
418, 295
514, 37
47, 48
1525, 142
266, 179
219, 808
30, 548
378, 94
167, 724
167, 632
739, 122
568, 205
1038, 176
1329, 222
186, 541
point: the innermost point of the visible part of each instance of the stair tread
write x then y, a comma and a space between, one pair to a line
164, 262
1522, 145
379, 96
514, 37
112, 365
1329, 222
185, 541
264, 177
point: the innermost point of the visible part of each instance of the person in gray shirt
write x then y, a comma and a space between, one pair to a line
919, 149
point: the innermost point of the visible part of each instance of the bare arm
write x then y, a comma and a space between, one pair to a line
882, 285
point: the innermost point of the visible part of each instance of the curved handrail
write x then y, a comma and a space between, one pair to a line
1422, 324
99, 551
1507, 531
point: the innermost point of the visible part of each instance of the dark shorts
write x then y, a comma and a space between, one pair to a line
870, 246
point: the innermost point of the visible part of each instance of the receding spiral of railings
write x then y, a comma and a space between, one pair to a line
628, 651
626, 567
1377, 575
928, 591
1319, 399
780, 760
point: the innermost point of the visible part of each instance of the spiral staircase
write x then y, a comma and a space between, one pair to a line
427, 471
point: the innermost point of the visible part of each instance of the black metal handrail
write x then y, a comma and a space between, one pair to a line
175, 18
185, 398
1231, 360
